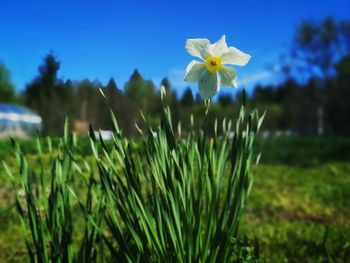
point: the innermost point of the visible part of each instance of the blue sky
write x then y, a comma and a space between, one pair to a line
106, 38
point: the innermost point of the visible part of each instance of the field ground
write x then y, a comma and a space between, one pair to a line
298, 214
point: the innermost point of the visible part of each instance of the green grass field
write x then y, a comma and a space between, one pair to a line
297, 213
301, 214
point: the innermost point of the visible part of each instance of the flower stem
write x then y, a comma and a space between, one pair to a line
207, 105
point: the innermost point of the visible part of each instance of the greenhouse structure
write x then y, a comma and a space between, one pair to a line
18, 121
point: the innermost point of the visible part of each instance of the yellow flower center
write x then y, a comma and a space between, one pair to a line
213, 64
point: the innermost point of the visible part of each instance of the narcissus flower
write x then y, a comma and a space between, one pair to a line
211, 73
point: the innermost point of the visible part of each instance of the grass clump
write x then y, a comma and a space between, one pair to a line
178, 199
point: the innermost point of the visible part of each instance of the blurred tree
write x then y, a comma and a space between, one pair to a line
41, 88
166, 84
123, 109
141, 92
187, 98
170, 100
50, 97
225, 100
319, 45
263, 95
316, 50
290, 106
89, 103
41, 95
307, 103
337, 109
289, 96
134, 88
61, 106
7, 90
344, 37
170, 96
198, 99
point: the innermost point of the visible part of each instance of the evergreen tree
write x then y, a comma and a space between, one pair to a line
122, 107
135, 88
141, 92
187, 98
42, 96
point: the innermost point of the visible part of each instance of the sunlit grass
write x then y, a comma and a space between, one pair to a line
301, 214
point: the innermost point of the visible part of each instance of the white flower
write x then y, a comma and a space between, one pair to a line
212, 72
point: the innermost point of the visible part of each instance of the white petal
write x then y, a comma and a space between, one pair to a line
194, 71
228, 77
198, 47
219, 48
209, 84
235, 56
